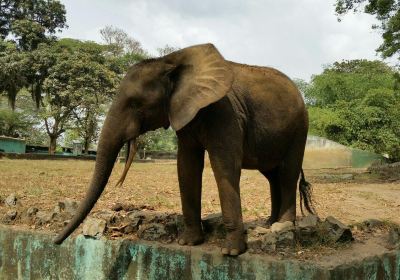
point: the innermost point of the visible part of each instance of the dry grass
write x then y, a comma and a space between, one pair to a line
42, 183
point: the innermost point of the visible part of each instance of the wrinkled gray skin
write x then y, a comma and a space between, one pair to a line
245, 117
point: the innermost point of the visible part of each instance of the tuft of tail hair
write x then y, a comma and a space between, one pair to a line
306, 200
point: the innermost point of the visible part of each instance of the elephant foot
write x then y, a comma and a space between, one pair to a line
234, 244
191, 237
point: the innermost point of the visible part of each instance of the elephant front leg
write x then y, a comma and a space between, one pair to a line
227, 170
190, 169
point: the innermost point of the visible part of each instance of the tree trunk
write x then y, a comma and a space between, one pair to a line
53, 145
86, 147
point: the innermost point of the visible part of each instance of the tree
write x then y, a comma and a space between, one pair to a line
24, 26
77, 84
13, 124
356, 103
119, 42
31, 21
23, 122
387, 12
348, 80
158, 140
167, 49
13, 70
123, 50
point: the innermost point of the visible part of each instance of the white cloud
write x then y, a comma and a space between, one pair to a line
297, 37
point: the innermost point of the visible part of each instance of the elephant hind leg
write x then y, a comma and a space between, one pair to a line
275, 192
289, 172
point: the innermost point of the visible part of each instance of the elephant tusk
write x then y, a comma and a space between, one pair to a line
129, 160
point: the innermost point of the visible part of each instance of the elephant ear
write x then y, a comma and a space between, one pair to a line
202, 77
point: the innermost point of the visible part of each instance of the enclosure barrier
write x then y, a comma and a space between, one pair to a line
32, 255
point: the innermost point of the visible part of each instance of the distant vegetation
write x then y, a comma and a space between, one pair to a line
356, 103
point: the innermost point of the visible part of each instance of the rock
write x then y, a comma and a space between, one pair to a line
43, 217
94, 227
308, 221
117, 207
278, 241
134, 220
11, 200
249, 226
306, 230
138, 219
64, 210
10, 215
338, 232
285, 240
129, 229
255, 238
152, 232
373, 223
69, 206
28, 215
394, 238
258, 231
130, 207
106, 215
32, 211
254, 244
57, 209
285, 226
213, 225
144, 216
269, 242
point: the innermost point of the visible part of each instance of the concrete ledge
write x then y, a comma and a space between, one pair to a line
32, 255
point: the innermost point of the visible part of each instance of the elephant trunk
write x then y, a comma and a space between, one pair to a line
110, 144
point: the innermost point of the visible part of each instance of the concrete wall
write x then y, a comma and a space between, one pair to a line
29, 255
323, 153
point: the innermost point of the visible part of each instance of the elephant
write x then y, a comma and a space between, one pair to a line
245, 117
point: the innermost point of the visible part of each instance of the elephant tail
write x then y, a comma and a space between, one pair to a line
306, 200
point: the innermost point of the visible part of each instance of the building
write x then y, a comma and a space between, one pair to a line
12, 145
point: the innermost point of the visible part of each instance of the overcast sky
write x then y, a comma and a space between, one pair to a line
297, 37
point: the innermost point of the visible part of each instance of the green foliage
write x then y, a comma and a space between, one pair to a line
13, 124
158, 140
26, 24
387, 12
356, 103
13, 70
76, 85
30, 21
22, 122
122, 50
349, 80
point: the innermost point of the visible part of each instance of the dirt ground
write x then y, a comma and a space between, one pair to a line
43, 183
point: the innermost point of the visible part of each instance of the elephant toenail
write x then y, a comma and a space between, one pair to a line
225, 251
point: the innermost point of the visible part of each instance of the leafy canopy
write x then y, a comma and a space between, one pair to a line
387, 12
31, 21
356, 103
